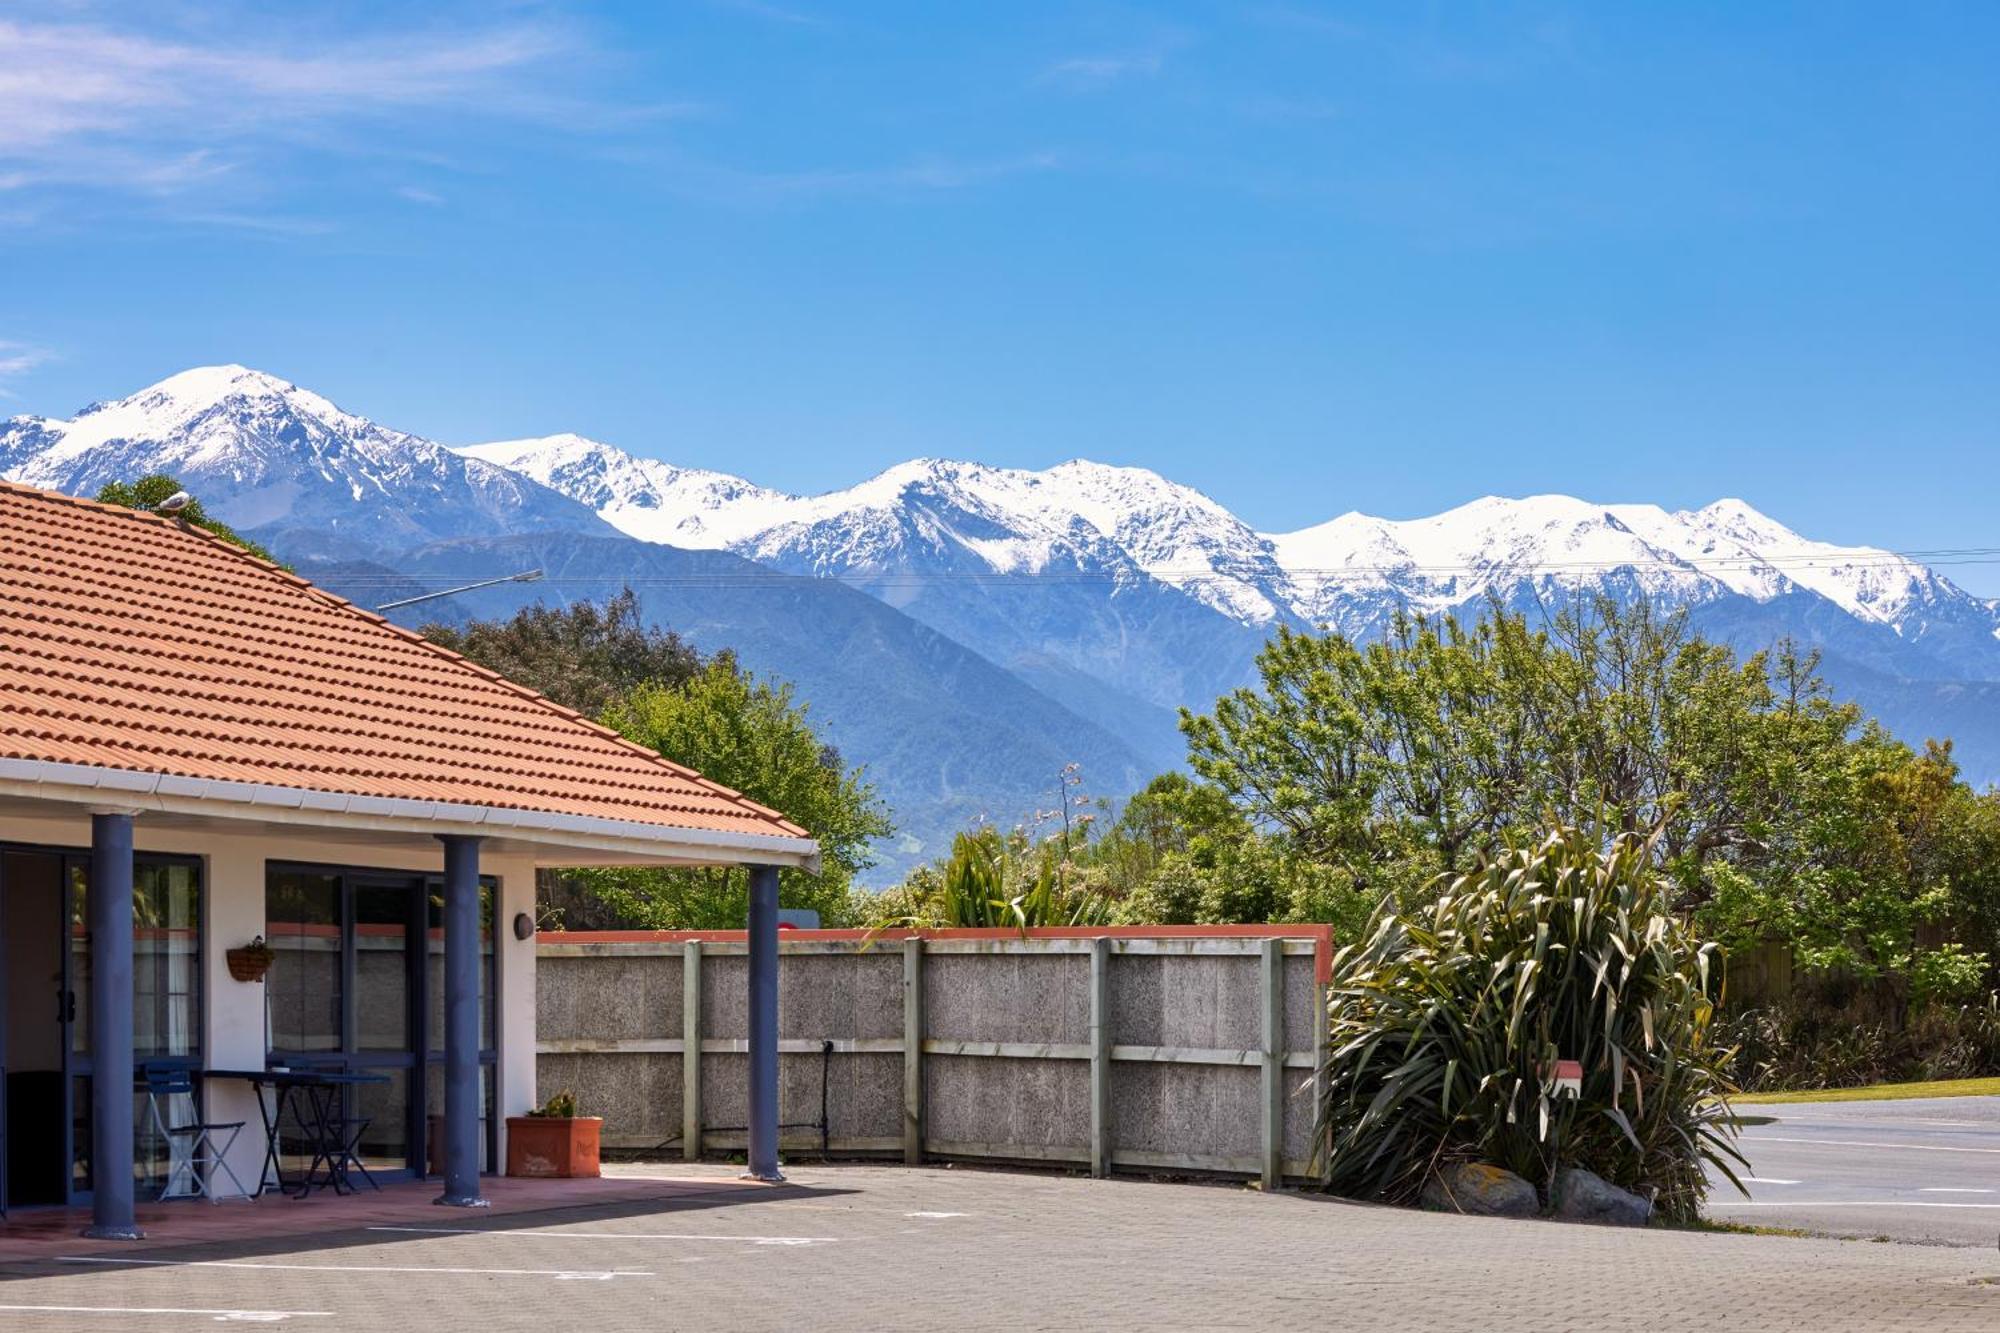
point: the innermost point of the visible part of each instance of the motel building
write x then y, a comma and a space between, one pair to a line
200, 750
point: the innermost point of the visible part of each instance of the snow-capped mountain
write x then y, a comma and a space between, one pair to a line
1114, 573
941, 536
1883, 607
1010, 520
968, 629
641, 497
281, 460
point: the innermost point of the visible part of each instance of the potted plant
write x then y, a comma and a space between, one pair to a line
553, 1140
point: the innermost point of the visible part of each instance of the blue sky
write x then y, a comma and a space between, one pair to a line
1309, 258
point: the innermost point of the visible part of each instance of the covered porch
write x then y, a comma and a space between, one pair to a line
405, 957
199, 749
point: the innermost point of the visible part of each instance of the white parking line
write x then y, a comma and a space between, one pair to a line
220, 1316
935, 1214
1765, 1180
1951, 1189
1851, 1203
573, 1274
606, 1235
1863, 1143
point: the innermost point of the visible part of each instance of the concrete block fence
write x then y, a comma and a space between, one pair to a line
1161, 1048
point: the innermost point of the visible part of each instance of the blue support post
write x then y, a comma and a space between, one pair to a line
461, 1023
110, 912
764, 1024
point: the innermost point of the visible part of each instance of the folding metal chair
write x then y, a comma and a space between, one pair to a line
192, 1143
337, 1134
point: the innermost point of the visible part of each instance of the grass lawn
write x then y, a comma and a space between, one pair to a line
1956, 1087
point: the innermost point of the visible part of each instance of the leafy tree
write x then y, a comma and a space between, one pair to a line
1780, 812
583, 656
153, 489
750, 736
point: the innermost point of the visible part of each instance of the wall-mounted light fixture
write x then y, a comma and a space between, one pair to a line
524, 926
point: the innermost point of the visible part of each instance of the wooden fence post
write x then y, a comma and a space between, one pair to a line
691, 1050
913, 1050
1100, 1057
1273, 960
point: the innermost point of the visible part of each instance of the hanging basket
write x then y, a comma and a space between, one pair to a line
252, 961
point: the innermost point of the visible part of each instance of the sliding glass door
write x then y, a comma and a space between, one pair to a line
44, 916
351, 990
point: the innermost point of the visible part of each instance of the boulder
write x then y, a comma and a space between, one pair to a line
1583, 1196
1480, 1190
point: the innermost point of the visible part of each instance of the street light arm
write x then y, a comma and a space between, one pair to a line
525, 576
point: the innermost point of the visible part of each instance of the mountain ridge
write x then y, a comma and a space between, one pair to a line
960, 627
1349, 572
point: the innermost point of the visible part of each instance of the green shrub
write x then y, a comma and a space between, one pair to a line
993, 881
1812, 1040
1446, 1019
1946, 976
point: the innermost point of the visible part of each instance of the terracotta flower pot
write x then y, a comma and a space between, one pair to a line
539, 1145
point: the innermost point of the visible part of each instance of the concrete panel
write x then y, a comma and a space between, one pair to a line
1205, 1110
1300, 1112
1007, 997
836, 995
639, 1096
1175, 1000
607, 998
1302, 1015
1031, 1103
725, 997
864, 1094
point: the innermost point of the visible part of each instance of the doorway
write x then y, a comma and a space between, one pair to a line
37, 1009
46, 1064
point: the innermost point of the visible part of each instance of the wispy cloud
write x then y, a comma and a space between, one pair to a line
416, 194
60, 82
117, 110
18, 359
1089, 73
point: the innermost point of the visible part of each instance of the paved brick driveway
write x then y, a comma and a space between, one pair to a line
882, 1247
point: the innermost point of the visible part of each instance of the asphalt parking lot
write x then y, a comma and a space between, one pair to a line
1925, 1170
851, 1247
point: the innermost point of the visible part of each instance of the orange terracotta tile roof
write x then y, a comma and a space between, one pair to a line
129, 642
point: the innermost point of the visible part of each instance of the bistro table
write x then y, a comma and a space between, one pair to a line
314, 1096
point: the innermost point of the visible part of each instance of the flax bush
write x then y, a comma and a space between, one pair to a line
1447, 1022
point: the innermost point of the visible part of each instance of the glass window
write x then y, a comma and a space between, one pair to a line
166, 957
166, 960
385, 1142
434, 1117
302, 924
434, 945
79, 957
382, 916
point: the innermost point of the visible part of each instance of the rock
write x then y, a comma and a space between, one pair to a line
1480, 1190
1581, 1196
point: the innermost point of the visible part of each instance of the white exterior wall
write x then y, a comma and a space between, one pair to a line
234, 858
